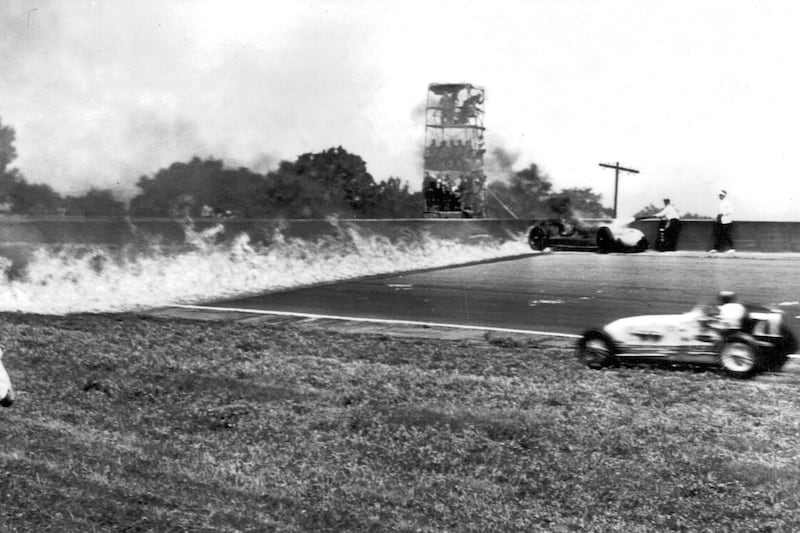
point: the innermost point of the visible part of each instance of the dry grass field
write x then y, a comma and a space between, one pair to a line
128, 423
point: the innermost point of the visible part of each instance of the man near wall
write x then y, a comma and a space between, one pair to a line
724, 226
671, 224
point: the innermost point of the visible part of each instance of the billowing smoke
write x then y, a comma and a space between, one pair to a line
418, 111
101, 93
262, 163
499, 163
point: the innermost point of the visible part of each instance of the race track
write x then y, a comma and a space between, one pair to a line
559, 292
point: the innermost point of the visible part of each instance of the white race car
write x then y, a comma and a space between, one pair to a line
762, 342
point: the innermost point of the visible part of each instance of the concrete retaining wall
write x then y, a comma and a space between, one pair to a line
118, 232
747, 235
695, 234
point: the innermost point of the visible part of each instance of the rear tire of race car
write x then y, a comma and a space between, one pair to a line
537, 238
777, 362
8, 400
596, 350
604, 240
786, 346
740, 359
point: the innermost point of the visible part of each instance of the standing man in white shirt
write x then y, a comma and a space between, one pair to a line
724, 225
671, 224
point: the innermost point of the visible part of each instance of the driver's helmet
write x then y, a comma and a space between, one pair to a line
726, 297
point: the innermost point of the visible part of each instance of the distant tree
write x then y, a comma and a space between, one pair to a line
287, 194
95, 202
185, 188
695, 216
392, 199
525, 194
236, 191
331, 182
346, 184
174, 189
34, 199
529, 194
7, 150
585, 203
9, 178
650, 210
647, 211
315, 185
24, 197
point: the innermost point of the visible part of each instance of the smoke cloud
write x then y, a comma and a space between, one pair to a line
102, 93
499, 163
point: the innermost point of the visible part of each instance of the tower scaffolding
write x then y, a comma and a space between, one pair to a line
454, 184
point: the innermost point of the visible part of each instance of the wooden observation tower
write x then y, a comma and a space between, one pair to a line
454, 185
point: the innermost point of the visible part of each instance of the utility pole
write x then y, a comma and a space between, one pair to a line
617, 168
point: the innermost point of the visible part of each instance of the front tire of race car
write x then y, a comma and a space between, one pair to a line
596, 350
740, 359
537, 238
604, 240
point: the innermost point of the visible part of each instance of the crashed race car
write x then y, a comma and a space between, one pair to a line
605, 237
755, 340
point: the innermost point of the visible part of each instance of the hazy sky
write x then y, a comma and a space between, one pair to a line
697, 95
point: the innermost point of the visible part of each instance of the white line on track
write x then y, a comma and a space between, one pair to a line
376, 320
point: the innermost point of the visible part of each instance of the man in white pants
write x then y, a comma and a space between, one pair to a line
671, 220
724, 225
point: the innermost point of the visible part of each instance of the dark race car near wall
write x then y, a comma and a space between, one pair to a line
603, 237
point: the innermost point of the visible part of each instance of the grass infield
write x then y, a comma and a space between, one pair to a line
124, 423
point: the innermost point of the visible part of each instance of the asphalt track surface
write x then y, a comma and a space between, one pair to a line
560, 292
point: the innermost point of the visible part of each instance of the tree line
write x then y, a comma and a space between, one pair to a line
315, 185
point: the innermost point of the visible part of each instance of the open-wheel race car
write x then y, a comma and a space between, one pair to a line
757, 340
603, 237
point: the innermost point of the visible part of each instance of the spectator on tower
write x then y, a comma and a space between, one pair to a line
460, 155
438, 194
449, 155
469, 156
429, 188
470, 108
448, 106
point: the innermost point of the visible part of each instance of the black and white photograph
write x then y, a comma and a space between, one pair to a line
367, 265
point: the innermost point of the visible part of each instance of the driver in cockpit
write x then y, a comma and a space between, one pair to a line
726, 316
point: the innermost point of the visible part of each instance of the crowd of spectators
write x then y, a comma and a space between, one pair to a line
442, 193
453, 155
452, 113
